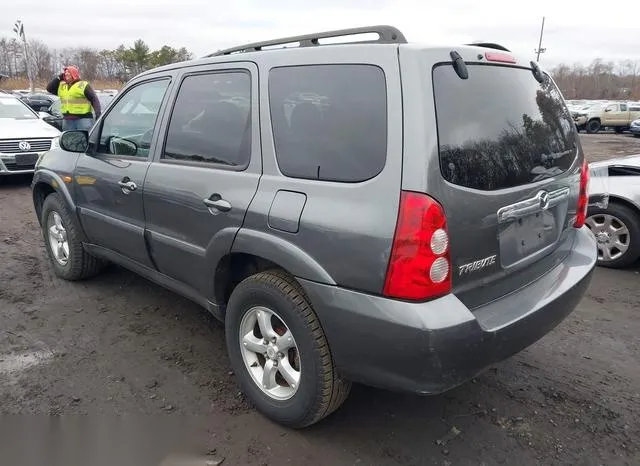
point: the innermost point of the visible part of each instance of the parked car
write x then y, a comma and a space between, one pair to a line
24, 136
585, 113
54, 117
615, 115
635, 128
348, 211
616, 225
39, 101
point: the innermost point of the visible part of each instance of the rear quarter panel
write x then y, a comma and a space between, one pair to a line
345, 229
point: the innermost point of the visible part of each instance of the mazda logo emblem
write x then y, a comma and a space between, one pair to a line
543, 198
24, 146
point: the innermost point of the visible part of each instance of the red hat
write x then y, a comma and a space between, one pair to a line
73, 71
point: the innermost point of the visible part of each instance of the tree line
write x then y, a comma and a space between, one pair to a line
119, 64
600, 80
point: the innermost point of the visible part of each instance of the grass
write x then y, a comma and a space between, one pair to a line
12, 84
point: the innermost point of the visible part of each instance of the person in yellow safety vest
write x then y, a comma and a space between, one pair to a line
77, 98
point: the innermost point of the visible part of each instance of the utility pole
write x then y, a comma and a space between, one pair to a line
540, 49
18, 28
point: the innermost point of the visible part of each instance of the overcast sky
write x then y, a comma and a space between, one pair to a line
574, 32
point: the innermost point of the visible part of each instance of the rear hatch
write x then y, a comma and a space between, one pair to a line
509, 160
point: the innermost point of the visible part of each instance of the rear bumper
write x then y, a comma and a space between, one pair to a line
431, 347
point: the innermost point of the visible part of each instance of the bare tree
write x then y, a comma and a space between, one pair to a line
41, 56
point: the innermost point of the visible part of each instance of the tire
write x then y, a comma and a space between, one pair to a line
618, 130
593, 126
320, 390
79, 264
621, 215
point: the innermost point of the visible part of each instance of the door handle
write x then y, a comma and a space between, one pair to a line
127, 186
216, 202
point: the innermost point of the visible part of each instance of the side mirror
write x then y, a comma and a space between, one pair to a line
44, 115
608, 109
74, 141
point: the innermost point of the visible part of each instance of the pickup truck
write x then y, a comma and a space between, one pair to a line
615, 115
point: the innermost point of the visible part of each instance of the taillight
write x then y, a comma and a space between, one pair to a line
583, 196
419, 266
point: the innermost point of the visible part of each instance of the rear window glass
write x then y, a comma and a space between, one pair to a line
501, 128
329, 121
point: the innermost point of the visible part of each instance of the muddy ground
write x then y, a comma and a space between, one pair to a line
119, 344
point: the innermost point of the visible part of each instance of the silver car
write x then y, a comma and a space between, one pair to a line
24, 136
616, 223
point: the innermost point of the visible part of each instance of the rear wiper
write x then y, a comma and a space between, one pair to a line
537, 72
459, 65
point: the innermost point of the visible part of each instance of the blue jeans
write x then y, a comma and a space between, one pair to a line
79, 124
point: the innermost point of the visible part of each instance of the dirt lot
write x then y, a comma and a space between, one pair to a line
119, 344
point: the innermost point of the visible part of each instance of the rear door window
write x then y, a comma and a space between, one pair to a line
329, 121
501, 128
211, 120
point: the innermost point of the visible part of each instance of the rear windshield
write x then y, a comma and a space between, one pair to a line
500, 128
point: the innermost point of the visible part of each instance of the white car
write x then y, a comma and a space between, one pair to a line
24, 136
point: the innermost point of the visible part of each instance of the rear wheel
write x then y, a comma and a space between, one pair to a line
593, 126
617, 231
279, 352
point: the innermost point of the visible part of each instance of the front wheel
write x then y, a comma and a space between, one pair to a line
69, 259
593, 126
279, 352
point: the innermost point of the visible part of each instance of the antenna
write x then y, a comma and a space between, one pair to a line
540, 49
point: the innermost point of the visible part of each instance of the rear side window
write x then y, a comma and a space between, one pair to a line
329, 121
501, 128
211, 120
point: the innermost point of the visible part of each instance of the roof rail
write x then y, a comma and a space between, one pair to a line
490, 45
386, 35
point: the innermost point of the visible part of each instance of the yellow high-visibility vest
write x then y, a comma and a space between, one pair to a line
73, 99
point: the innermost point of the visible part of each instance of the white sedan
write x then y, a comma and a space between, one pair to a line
24, 136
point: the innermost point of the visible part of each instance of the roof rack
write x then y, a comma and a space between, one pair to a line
490, 45
386, 35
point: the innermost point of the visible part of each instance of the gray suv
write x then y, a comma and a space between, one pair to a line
392, 214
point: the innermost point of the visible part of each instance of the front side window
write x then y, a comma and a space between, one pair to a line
211, 120
128, 127
329, 121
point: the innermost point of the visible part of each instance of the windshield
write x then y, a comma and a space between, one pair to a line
517, 131
13, 108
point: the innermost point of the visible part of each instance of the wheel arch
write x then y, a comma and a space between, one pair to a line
46, 182
619, 200
254, 252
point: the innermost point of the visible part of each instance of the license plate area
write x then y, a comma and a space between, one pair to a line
525, 236
26, 160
